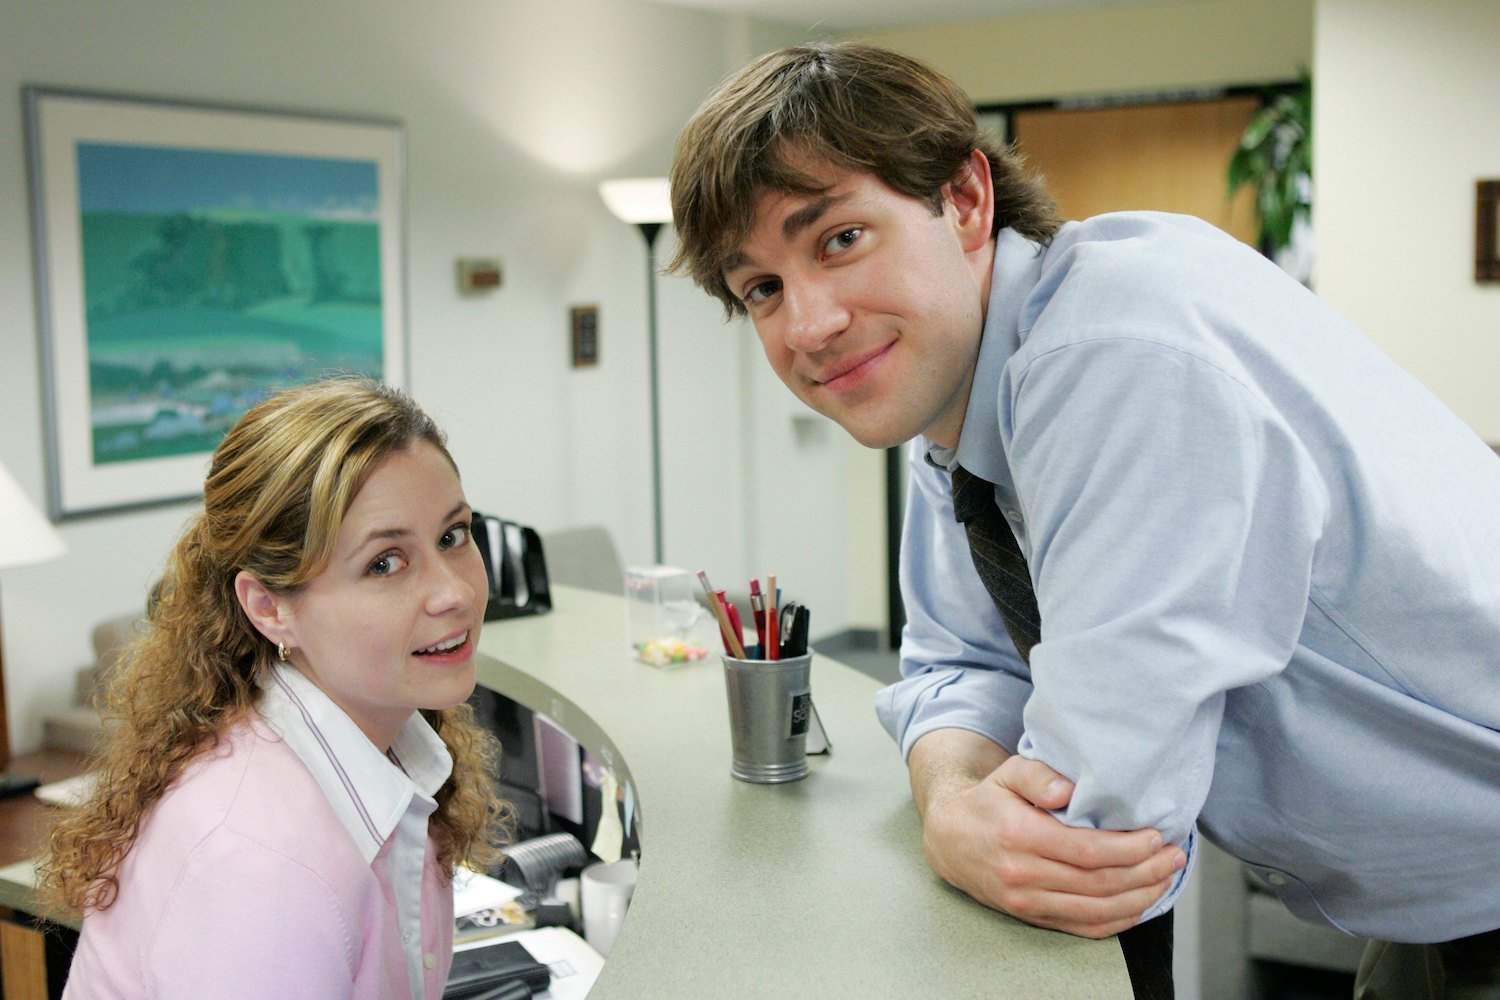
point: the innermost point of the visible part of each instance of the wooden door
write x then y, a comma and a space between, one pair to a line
1169, 157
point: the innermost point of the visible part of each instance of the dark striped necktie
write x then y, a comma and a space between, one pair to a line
1147, 947
998, 558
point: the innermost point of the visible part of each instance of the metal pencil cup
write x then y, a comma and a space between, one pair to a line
770, 709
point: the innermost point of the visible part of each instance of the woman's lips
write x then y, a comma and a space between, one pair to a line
459, 652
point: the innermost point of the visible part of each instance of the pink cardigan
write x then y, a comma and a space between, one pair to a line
243, 883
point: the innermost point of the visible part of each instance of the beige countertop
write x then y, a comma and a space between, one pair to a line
814, 888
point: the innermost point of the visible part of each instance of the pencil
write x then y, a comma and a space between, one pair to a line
736, 647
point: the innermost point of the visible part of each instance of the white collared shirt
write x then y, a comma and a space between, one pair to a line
378, 797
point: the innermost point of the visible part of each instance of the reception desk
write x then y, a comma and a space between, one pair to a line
816, 888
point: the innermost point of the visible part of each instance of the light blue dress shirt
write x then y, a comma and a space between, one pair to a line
1268, 567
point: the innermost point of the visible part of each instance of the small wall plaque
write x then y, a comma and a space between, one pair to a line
585, 336
477, 275
1487, 232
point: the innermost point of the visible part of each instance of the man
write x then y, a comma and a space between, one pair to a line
1250, 569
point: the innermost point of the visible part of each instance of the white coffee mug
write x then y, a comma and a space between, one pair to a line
604, 894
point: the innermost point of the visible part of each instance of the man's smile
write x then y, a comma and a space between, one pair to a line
848, 373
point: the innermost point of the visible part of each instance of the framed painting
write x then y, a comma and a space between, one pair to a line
1487, 231
191, 260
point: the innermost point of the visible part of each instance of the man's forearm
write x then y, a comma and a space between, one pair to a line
988, 830
950, 760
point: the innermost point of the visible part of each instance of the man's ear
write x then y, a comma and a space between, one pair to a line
267, 611
972, 194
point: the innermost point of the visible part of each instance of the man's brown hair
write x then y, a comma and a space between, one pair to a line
851, 107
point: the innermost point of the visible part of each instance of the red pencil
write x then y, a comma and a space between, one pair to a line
736, 648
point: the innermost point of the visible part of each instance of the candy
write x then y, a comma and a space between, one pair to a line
661, 652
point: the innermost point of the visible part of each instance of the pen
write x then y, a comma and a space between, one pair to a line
772, 594
795, 619
758, 611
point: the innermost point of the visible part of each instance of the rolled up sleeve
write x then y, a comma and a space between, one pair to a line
959, 669
1171, 519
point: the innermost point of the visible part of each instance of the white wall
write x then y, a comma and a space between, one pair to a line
1116, 50
513, 112
1406, 124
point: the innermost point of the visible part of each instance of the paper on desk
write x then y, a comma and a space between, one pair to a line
474, 891
69, 791
610, 834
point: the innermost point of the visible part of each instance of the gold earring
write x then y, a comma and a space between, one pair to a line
282, 653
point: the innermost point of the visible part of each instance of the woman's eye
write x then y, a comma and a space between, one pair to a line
761, 291
454, 537
843, 240
387, 563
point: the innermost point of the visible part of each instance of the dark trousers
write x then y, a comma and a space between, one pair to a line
1464, 969
1148, 958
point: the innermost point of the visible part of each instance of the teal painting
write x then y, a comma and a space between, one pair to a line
192, 259
212, 278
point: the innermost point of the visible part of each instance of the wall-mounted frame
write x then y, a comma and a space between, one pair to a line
585, 327
1487, 231
192, 259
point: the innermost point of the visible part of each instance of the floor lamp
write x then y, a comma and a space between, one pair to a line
26, 537
645, 202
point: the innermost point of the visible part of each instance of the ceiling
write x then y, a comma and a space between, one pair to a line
848, 15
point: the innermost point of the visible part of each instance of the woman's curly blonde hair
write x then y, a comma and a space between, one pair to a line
277, 490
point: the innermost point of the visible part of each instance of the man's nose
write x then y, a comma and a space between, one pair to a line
815, 315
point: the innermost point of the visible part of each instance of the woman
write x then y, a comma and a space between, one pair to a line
293, 774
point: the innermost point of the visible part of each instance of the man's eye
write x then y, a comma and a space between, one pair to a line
843, 240
454, 537
387, 563
762, 291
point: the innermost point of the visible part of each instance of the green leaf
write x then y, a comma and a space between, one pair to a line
1274, 153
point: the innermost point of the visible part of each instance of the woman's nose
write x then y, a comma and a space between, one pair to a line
452, 588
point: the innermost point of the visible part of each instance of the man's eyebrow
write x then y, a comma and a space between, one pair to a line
793, 224
809, 214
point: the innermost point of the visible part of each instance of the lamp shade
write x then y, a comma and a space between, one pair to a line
638, 199
26, 536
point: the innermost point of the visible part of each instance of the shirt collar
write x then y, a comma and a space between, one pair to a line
368, 790
1017, 268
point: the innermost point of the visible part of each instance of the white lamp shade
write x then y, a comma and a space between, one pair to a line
638, 199
26, 536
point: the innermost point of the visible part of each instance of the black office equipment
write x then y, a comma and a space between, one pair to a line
516, 566
512, 990
477, 972
537, 864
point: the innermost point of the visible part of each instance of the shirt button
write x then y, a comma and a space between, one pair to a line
429, 960
1277, 879
406, 937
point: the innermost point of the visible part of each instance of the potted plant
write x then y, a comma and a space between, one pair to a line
1275, 157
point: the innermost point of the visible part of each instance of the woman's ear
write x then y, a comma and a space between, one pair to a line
972, 194
267, 611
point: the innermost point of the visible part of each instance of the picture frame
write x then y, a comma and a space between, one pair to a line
1487, 231
192, 259
585, 329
